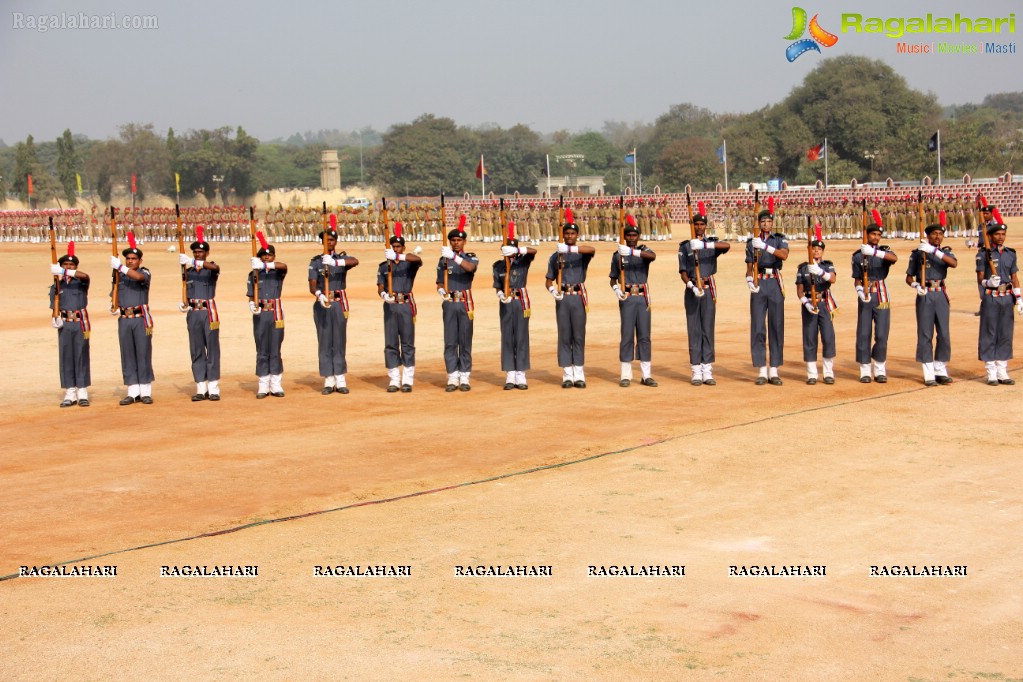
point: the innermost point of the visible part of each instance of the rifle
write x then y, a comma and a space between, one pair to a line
56, 278
252, 234
387, 245
809, 255
692, 233
621, 240
982, 203
756, 227
444, 236
923, 256
866, 261
563, 213
507, 261
326, 252
181, 249
113, 252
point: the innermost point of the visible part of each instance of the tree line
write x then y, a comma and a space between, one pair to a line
875, 126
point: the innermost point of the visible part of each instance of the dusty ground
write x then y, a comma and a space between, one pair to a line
846, 476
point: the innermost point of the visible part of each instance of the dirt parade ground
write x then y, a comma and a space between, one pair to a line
729, 532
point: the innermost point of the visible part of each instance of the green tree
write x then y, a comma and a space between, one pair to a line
426, 157
67, 166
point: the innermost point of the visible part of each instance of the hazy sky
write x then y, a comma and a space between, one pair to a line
277, 68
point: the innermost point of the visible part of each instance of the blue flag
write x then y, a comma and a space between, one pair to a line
721, 154
630, 157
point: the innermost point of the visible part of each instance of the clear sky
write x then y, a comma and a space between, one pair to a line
277, 68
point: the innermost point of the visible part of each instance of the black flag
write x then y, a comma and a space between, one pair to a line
932, 144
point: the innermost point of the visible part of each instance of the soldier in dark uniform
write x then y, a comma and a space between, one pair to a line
267, 280
932, 305
135, 324
330, 312
874, 314
568, 264
818, 321
765, 256
514, 312
700, 298
202, 319
399, 312
73, 328
997, 273
631, 265
457, 308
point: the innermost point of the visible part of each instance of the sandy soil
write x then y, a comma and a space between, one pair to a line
846, 476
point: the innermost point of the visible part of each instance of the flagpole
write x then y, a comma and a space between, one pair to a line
825, 163
724, 148
635, 169
483, 177
548, 176
939, 156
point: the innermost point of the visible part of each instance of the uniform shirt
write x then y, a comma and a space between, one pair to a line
936, 267
574, 270
131, 294
201, 284
458, 279
814, 282
708, 259
338, 276
74, 294
636, 267
877, 267
271, 283
403, 275
519, 271
767, 260
1004, 260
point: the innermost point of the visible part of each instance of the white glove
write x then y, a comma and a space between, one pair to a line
387, 298
697, 244
56, 322
868, 250
698, 292
624, 250
328, 260
116, 312
115, 263
322, 298
808, 304
186, 260
253, 308
690, 285
500, 293
447, 252
555, 293
183, 307
256, 263
993, 283
562, 247
618, 292
509, 251
199, 263
442, 292
1019, 306
862, 295
389, 254
759, 244
56, 270
815, 269
752, 287
920, 291
926, 247
269, 265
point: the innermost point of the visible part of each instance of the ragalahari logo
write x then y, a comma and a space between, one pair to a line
817, 35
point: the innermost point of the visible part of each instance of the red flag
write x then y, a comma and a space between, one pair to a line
815, 152
30, 188
134, 186
480, 170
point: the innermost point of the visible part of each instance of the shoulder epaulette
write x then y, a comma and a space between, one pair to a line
1009, 248
779, 235
471, 255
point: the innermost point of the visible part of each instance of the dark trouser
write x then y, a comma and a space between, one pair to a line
996, 327
331, 338
73, 356
700, 314
457, 337
767, 323
268, 337
635, 336
203, 346
136, 351
932, 320
514, 337
820, 325
871, 317
571, 316
399, 336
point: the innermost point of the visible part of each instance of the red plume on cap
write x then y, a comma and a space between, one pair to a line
198, 233
998, 216
131, 240
569, 217
70, 248
397, 229
701, 208
941, 218
262, 241
461, 222
877, 216
770, 205
981, 200
817, 233
631, 220
333, 221
511, 229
